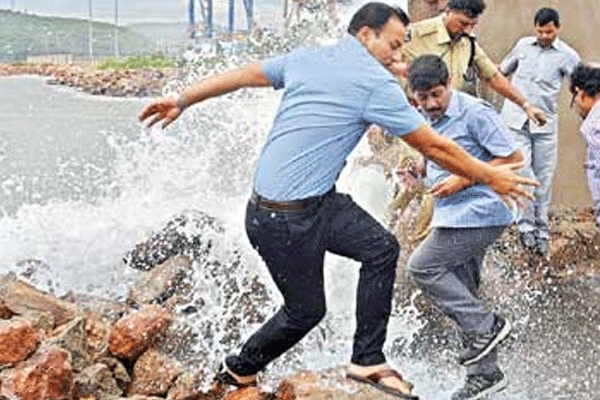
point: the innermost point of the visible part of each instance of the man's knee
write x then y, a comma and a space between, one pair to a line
308, 316
418, 268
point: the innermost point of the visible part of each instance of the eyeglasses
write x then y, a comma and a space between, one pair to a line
573, 100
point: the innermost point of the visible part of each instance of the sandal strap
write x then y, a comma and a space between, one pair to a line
386, 373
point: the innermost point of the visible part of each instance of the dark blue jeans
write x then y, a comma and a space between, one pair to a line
293, 246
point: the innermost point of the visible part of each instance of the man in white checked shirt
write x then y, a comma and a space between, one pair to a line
585, 87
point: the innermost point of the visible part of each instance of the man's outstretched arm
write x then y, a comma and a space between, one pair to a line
450, 156
502, 85
169, 109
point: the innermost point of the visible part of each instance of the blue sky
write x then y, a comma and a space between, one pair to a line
131, 11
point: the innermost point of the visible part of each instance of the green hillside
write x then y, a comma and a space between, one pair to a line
25, 34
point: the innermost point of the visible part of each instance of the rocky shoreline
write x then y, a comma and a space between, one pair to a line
118, 83
81, 347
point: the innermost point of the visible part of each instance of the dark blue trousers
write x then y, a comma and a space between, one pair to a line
293, 246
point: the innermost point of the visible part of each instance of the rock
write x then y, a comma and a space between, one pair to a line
153, 374
95, 381
162, 282
186, 387
72, 337
285, 391
18, 340
5, 312
107, 310
19, 297
45, 376
131, 335
177, 341
249, 393
41, 320
97, 333
118, 370
188, 234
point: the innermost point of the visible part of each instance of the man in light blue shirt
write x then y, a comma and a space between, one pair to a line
468, 217
331, 96
538, 66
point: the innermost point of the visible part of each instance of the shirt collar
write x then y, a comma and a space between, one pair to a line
453, 110
554, 45
443, 36
442, 32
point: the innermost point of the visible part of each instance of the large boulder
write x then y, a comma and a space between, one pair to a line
133, 334
20, 297
153, 374
45, 376
18, 339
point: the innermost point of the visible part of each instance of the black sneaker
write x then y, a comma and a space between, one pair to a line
479, 345
480, 386
528, 240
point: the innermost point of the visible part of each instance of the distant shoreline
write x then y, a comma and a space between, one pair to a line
146, 82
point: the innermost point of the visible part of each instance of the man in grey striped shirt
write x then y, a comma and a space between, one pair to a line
538, 65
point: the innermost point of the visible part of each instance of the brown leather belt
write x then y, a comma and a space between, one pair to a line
294, 205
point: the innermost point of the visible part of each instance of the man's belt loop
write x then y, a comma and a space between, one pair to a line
294, 205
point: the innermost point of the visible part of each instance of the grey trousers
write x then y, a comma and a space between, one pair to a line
540, 156
447, 267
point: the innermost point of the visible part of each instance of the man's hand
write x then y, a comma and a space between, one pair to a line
449, 186
165, 109
535, 114
507, 183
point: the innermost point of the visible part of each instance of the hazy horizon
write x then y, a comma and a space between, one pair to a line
136, 11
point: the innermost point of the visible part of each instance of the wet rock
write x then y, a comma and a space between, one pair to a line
43, 321
186, 387
20, 297
5, 312
108, 310
131, 335
153, 374
118, 371
97, 333
45, 376
163, 282
177, 341
95, 381
72, 337
250, 393
186, 234
18, 339
574, 249
285, 391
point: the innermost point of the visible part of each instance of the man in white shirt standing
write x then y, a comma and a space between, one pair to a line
538, 65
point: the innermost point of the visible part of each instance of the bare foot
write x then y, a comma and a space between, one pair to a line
392, 382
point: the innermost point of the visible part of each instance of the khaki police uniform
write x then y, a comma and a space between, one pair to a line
431, 37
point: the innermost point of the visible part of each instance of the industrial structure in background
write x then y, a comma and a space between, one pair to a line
204, 25
201, 14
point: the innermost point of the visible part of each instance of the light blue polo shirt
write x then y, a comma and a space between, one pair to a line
331, 96
478, 128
